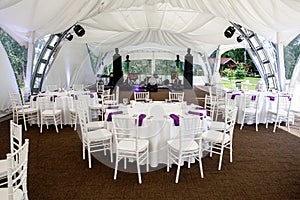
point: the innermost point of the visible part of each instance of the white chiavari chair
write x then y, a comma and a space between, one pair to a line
128, 143
187, 145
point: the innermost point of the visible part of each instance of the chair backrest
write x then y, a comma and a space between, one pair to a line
141, 96
250, 100
83, 117
17, 171
209, 105
47, 103
15, 136
190, 129
15, 100
230, 119
176, 96
283, 101
125, 128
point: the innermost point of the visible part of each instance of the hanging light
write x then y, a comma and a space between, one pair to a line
239, 38
79, 30
229, 32
69, 36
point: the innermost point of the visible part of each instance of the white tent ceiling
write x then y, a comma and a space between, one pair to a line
188, 23
134, 25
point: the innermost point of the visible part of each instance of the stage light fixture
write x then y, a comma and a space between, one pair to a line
239, 38
229, 32
79, 30
69, 36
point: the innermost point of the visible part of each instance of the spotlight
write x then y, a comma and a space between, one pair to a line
229, 32
69, 36
79, 30
239, 38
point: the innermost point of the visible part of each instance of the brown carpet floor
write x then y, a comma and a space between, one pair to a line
265, 166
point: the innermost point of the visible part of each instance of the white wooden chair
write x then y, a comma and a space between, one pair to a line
250, 108
141, 96
282, 111
93, 140
17, 164
128, 144
176, 96
49, 113
22, 111
187, 145
214, 141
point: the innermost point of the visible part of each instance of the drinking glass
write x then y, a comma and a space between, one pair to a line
125, 101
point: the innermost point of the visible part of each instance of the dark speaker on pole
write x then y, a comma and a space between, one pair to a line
188, 70
117, 67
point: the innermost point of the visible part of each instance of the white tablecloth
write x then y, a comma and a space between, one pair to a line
264, 104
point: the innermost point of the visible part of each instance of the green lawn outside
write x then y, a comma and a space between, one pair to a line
250, 84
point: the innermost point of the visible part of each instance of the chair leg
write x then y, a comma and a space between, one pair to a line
242, 124
116, 166
221, 157
147, 167
200, 164
178, 170
138, 168
230, 159
168, 162
89, 155
111, 150
55, 123
83, 149
24, 120
41, 128
275, 124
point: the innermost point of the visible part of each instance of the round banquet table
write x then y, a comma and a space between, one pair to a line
157, 126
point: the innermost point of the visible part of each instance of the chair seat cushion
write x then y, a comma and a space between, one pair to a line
130, 145
214, 125
50, 112
28, 110
186, 145
95, 125
99, 134
215, 136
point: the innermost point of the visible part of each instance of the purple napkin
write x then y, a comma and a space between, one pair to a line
52, 98
199, 108
195, 113
233, 96
272, 98
141, 118
253, 97
229, 92
109, 116
112, 107
175, 118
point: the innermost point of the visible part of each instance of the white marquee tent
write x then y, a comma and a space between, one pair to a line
132, 25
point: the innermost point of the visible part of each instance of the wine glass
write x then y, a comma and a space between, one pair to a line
125, 101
